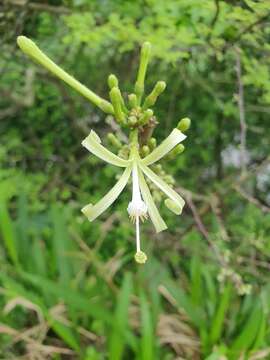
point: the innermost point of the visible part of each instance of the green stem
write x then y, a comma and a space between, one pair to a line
134, 143
31, 49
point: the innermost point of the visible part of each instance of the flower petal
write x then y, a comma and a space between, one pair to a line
176, 198
93, 211
175, 137
92, 144
172, 205
153, 212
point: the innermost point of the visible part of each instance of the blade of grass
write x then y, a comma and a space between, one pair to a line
66, 334
249, 332
69, 296
8, 234
219, 318
147, 331
61, 245
194, 312
23, 230
120, 320
39, 257
196, 280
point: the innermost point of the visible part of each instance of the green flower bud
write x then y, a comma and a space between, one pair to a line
140, 257
146, 117
32, 50
184, 124
132, 121
112, 81
133, 101
145, 56
152, 97
106, 107
176, 151
145, 150
117, 101
152, 143
114, 140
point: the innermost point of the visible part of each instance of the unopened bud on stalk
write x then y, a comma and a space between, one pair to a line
133, 101
146, 117
145, 150
106, 107
152, 97
176, 151
152, 143
132, 121
184, 124
117, 101
112, 81
145, 56
114, 141
32, 50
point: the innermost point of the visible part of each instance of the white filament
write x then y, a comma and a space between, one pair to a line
138, 243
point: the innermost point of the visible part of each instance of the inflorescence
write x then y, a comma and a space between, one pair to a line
140, 155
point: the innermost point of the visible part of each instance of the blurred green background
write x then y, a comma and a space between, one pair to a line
70, 289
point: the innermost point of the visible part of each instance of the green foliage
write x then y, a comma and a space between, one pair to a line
204, 292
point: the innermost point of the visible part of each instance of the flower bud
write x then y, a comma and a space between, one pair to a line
114, 140
133, 101
152, 97
184, 124
112, 81
106, 107
152, 143
176, 151
117, 101
146, 117
132, 121
145, 56
145, 150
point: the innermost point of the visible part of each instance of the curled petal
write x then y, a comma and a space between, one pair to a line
176, 198
175, 137
92, 144
153, 212
172, 205
93, 211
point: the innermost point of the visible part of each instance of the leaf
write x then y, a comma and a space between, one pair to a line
119, 329
248, 332
71, 297
219, 318
65, 333
147, 331
61, 245
8, 233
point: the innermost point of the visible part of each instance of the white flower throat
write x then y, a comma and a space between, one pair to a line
137, 208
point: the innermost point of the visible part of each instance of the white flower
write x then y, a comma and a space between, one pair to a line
142, 203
